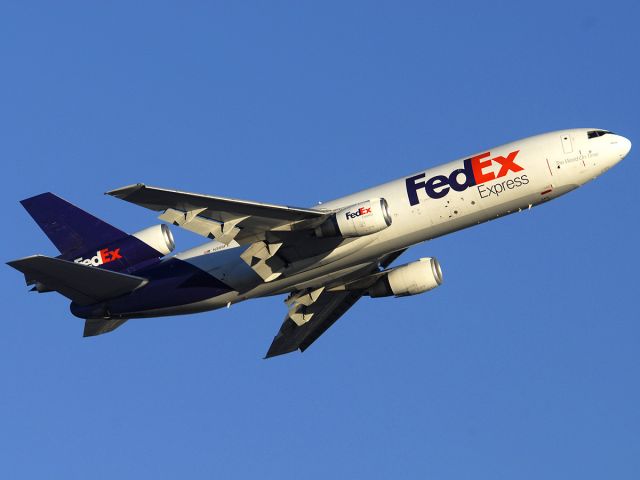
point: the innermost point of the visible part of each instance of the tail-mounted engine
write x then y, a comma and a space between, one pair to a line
410, 279
129, 251
357, 220
158, 237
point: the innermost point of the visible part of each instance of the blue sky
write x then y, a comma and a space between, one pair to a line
524, 364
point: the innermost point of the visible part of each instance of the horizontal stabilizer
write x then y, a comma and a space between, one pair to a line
82, 284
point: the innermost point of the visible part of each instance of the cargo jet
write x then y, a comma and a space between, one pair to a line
325, 258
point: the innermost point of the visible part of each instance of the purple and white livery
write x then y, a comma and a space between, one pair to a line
325, 258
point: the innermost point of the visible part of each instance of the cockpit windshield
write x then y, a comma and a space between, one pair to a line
597, 133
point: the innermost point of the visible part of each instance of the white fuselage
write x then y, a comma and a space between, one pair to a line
426, 205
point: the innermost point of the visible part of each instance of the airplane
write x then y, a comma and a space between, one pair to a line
325, 258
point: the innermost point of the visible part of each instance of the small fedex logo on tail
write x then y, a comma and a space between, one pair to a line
101, 257
475, 171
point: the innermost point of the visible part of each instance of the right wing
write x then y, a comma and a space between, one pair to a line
224, 219
276, 233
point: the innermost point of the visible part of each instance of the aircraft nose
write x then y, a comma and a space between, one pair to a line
618, 148
625, 146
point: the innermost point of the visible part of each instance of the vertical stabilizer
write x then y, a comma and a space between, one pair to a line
71, 229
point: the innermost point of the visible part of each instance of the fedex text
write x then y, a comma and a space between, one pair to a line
101, 257
475, 171
359, 212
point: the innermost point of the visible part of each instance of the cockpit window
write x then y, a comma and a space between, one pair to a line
597, 133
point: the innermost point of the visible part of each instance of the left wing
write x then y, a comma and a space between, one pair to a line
313, 311
224, 219
329, 307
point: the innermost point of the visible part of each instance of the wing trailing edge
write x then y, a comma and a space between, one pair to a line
330, 308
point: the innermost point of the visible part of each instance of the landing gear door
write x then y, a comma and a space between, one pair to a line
567, 146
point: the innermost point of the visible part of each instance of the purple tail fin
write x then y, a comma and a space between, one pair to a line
71, 229
83, 238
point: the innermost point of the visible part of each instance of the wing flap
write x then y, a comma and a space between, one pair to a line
82, 284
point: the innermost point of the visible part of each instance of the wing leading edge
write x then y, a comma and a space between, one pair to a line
216, 217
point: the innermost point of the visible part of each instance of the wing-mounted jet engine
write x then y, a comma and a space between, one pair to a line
358, 220
293, 252
410, 279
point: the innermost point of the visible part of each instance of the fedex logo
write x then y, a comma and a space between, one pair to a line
101, 257
475, 171
359, 212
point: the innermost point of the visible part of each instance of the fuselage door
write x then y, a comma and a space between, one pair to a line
567, 146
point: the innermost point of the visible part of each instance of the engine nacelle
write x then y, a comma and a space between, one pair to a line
158, 237
410, 279
357, 220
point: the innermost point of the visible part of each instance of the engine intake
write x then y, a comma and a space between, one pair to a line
410, 279
357, 220
158, 237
